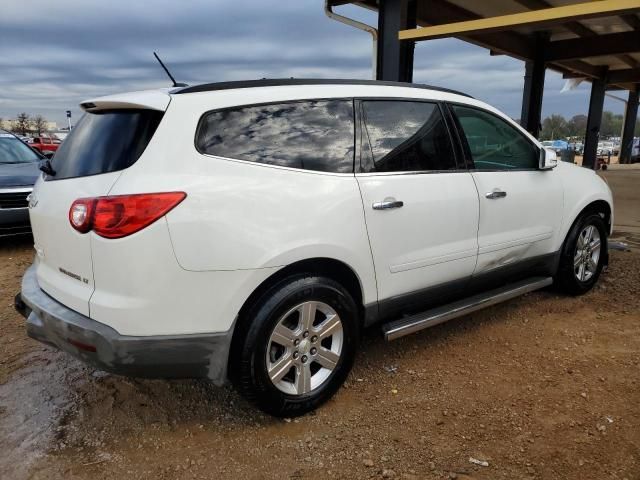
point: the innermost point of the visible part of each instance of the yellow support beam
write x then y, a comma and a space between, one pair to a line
543, 17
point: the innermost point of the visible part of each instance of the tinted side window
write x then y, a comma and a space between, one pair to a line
406, 136
493, 143
312, 135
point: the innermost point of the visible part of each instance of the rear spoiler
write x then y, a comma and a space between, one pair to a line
145, 99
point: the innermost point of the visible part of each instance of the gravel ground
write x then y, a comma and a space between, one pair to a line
541, 387
544, 386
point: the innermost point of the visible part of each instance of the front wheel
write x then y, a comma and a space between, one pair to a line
296, 345
583, 255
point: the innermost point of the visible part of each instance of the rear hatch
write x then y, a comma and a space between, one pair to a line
109, 138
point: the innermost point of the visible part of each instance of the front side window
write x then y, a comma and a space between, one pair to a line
405, 136
493, 143
310, 135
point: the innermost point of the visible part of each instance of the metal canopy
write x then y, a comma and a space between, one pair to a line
598, 40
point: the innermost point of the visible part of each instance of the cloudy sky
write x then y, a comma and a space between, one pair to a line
53, 55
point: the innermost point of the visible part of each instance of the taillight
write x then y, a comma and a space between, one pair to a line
81, 214
120, 215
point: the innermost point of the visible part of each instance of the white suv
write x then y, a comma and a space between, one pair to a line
250, 230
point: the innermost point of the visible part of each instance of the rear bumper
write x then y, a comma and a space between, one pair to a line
163, 356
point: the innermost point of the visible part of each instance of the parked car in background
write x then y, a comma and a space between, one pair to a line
635, 150
605, 149
615, 149
251, 230
18, 172
45, 144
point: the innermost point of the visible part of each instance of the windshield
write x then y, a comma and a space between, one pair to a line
104, 142
13, 150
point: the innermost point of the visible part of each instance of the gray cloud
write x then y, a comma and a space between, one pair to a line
76, 49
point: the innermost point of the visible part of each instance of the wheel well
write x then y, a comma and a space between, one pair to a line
601, 207
329, 267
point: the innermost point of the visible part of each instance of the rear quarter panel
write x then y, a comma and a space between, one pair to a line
246, 216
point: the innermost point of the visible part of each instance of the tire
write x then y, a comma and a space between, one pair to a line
269, 365
576, 274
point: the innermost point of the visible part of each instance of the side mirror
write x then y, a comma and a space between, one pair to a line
548, 159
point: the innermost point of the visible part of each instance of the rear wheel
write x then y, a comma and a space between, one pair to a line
583, 255
295, 345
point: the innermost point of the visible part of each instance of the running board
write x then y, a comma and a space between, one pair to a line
414, 323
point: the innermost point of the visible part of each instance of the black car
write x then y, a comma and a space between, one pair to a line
18, 172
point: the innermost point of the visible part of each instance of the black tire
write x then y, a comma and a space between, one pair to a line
248, 359
566, 279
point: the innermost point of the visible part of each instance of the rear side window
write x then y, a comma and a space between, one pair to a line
493, 143
105, 142
310, 135
405, 136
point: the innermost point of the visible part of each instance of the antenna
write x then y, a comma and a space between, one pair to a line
175, 84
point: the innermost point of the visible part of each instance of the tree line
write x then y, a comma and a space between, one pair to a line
557, 127
26, 124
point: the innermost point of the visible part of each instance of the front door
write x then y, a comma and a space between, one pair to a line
520, 205
421, 210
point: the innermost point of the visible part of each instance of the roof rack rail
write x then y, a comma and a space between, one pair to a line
276, 82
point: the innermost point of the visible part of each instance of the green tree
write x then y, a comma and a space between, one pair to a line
554, 127
577, 126
610, 125
23, 124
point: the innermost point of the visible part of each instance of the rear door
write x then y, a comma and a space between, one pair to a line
520, 205
421, 208
86, 165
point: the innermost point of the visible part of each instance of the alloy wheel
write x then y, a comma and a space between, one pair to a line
587, 253
304, 347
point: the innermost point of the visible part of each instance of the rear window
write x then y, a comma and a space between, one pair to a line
105, 142
310, 135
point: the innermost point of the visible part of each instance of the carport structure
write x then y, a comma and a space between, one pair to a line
597, 40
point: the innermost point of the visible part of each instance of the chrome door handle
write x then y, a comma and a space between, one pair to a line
495, 194
388, 203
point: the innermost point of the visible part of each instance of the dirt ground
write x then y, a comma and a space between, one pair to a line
541, 387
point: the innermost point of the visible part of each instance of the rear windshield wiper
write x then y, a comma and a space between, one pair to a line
46, 167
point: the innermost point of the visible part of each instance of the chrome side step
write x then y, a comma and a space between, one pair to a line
404, 326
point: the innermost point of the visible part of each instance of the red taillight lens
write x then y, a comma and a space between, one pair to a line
121, 215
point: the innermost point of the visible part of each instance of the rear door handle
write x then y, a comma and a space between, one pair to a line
388, 203
495, 194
